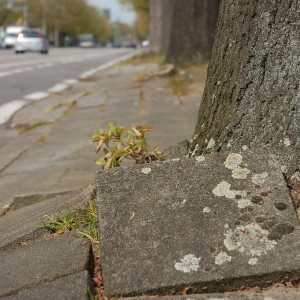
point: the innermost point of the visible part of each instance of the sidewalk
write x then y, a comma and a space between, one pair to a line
60, 156
46, 170
56, 154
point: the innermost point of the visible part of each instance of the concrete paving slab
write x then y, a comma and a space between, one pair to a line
21, 224
75, 287
211, 224
43, 261
276, 292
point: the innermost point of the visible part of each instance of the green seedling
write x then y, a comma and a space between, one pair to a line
63, 223
118, 143
84, 220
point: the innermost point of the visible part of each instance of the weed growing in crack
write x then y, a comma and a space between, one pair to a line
118, 143
83, 219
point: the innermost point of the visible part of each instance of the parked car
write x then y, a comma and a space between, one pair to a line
11, 34
33, 40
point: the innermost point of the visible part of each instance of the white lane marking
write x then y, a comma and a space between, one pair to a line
58, 88
28, 68
7, 110
116, 61
17, 71
4, 74
36, 96
70, 81
94, 71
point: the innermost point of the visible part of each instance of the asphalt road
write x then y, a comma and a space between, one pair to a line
24, 74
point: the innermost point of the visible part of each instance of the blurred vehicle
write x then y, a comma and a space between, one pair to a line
129, 45
33, 40
11, 34
86, 41
145, 44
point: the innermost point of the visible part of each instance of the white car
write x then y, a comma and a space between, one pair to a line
31, 40
10, 36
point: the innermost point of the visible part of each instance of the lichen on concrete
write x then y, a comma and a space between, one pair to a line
250, 239
259, 179
222, 258
233, 161
200, 158
223, 190
206, 210
189, 263
146, 170
240, 173
242, 203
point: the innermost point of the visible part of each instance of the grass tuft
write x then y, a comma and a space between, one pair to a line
84, 221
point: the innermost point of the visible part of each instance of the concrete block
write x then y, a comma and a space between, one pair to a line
43, 261
75, 287
213, 223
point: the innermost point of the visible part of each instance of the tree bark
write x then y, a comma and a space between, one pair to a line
161, 13
193, 27
252, 94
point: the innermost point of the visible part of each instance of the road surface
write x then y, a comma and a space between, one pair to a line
30, 76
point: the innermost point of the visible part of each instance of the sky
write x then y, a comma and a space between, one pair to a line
118, 12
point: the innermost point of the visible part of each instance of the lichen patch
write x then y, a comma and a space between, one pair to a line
233, 160
253, 261
286, 142
240, 173
250, 239
222, 258
211, 144
200, 158
189, 263
259, 178
242, 203
206, 210
146, 170
223, 190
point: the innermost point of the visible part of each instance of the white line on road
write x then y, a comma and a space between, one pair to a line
36, 96
58, 88
70, 81
8, 109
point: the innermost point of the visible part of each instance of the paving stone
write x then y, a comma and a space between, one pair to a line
208, 223
24, 222
271, 293
43, 261
75, 287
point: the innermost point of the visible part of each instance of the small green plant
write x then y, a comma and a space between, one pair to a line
130, 144
84, 220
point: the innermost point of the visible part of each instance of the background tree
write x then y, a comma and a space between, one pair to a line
8, 15
252, 94
193, 27
141, 8
68, 17
161, 13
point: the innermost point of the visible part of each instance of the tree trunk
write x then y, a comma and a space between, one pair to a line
160, 24
252, 91
193, 27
